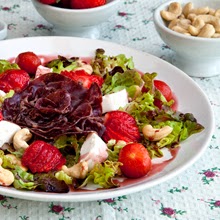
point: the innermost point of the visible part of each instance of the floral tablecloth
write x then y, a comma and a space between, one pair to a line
192, 195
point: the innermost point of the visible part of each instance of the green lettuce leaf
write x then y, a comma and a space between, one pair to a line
103, 64
70, 147
103, 174
61, 175
62, 63
129, 80
6, 65
7, 95
23, 179
114, 149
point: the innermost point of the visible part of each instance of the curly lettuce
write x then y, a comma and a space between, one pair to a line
103, 64
129, 80
63, 63
6, 65
103, 174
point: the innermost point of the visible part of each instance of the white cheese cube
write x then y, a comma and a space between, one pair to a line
41, 70
7, 131
114, 101
94, 150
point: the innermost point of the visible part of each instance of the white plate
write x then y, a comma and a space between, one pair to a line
190, 97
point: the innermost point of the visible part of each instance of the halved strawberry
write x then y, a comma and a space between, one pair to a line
120, 126
83, 77
28, 61
135, 159
13, 79
42, 157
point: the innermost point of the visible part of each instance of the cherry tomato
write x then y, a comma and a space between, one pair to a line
28, 61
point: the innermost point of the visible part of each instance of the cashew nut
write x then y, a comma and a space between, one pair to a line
187, 9
207, 31
216, 35
174, 10
6, 176
21, 137
217, 13
173, 23
78, 171
15, 161
212, 12
200, 11
196, 26
210, 19
179, 29
191, 16
154, 134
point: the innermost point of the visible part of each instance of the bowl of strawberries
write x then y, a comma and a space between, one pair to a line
75, 17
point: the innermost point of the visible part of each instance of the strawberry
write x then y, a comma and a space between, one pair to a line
64, 4
13, 79
120, 126
42, 157
48, 2
28, 61
83, 77
164, 89
1, 116
79, 4
135, 159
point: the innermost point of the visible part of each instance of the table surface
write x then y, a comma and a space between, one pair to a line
192, 195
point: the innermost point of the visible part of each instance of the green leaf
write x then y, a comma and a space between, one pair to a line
6, 65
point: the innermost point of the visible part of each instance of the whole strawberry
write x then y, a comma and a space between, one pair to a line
41, 157
79, 4
135, 159
28, 61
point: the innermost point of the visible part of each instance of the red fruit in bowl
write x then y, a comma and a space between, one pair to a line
13, 79
64, 4
28, 61
48, 2
120, 126
79, 4
135, 159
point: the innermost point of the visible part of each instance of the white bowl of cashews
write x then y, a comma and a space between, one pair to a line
192, 30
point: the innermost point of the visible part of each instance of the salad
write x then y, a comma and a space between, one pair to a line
67, 123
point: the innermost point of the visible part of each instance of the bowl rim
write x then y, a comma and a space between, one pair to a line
157, 22
89, 10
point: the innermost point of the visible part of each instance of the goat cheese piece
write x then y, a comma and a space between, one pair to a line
41, 70
7, 131
2, 93
114, 101
93, 150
